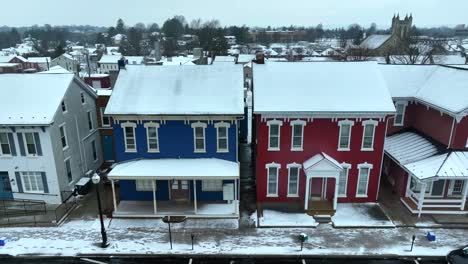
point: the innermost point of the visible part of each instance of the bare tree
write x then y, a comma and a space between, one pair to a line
196, 24
357, 53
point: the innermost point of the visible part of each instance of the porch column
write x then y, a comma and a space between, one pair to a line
337, 187
465, 192
113, 196
154, 196
421, 198
408, 185
195, 195
236, 207
306, 197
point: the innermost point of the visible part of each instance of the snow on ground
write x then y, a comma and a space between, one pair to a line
281, 219
360, 215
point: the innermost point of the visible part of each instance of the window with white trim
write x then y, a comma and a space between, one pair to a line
129, 137
274, 127
212, 185
272, 179
64, 107
297, 134
416, 186
344, 140
63, 136
399, 119
68, 170
222, 130
144, 185
456, 187
343, 180
5, 148
30, 142
90, 121
105, 120
363, 179
368, 134
199, 144
32, 182
293, 179
152, 136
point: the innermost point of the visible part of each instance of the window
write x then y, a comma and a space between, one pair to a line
5, 148
152, 136
144, 185
416, 186
293, 179
466, 144
32, 182
69, 172
129, 137
199, 137
456, 187
272, 179
274, 134
212, 185
344, 140
363, 179
368, 135
63, 136
222, 130
297, 134
93, 148
90, 121
400, 114
30, 142
105, 120
83, 101
64, 107
343, 180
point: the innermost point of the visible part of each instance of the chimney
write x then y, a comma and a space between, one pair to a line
260, 58
157, 50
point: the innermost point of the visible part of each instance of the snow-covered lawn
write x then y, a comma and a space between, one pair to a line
360, 215
280, 219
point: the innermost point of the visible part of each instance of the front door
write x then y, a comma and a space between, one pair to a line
438, 188
180, 190
108, 148
316, 189
5, 187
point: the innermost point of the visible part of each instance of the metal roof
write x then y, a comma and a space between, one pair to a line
448, 165
409, 147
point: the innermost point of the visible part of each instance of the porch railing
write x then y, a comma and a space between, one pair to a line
432, 202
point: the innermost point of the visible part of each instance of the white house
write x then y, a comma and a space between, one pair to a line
67, 62
42, 62
109, 63
49, 135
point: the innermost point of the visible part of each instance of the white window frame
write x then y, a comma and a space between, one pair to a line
404, 104
268, 167
452, 185
103, 124
360, 167
133, 126
298, 167
38, 175
90, 120
144, 185
66, 170
364, 124
279, 123
63, 126
301, 123
94, 150
466, 144
222, 125
9, 145
199, 125
347, 167
212, 185
341, 124
25, 142
155, 126
82, 97
64, 105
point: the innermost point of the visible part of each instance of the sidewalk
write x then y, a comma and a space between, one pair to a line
80, 237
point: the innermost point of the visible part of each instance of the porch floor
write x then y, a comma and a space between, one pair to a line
413, 207
320, 207
175, 208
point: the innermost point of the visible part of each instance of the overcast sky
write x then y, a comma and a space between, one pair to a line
233, 12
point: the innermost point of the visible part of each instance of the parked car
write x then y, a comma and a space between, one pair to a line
458, 256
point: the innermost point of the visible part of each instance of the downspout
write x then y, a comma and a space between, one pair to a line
381, 163
451, 134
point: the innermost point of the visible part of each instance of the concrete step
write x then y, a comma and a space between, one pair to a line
323, 219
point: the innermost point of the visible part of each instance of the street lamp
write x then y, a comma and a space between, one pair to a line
96, 179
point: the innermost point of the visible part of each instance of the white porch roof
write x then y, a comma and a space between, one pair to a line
409, 147
167, 169
449, 165
322, 165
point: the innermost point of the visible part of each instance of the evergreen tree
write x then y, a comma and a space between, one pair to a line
120, 27
59, 50
173, 28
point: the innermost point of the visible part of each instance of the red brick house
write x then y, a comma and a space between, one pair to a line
97, 80
426, 151
319, 138
105, 126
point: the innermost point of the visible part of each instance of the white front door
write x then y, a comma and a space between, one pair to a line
438, 188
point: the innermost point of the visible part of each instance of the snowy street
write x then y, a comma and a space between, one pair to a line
150, 237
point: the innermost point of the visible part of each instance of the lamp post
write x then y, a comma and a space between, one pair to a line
96, 179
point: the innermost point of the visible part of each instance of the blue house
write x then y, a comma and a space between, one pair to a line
176, 140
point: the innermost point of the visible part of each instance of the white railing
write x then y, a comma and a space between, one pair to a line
432, 202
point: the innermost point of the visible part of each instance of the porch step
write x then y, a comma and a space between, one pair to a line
323, 219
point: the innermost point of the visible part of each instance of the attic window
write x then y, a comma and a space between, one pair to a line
64, 107
82, 98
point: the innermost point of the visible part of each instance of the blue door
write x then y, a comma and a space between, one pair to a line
5, 187
108, 148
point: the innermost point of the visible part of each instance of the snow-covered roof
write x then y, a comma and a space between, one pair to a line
177, 61
448, 165
5, 59
188, 90
135, 59
225, 59
175, 169
245, 58
39, 59
56, 69
8, 64
375, 41
315, 160
110, 59
408, 147
325, 87
103, 92
441, 86
32, 99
